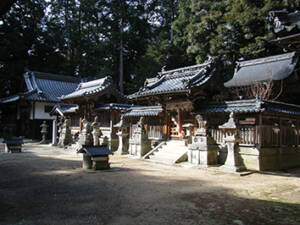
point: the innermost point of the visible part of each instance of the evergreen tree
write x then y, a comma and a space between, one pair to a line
21, 34
227, 30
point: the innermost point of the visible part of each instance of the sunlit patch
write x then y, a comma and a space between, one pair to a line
60, 172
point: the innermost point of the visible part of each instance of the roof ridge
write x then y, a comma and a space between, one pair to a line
57, 77
267, 59
185, 69
94, 83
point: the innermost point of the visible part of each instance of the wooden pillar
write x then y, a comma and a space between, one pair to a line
179, 121
111, 124
259, 134
280, 133
80, 124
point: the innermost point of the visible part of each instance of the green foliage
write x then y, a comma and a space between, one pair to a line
83, 37
21, 39
227, 30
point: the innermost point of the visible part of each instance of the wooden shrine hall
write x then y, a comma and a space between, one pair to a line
96, 98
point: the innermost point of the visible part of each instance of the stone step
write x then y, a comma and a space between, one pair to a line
176, 143
173, 149
162, 161
166, 155
169, 153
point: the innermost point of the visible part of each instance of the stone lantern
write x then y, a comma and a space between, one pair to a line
189, 130
44, 132
96, 131
232, 142
122, 133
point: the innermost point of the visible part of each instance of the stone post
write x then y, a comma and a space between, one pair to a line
232, 142
122, 134
85, 137
203, 150
54, 132
44, 132
140, 145
96, 131
65, 137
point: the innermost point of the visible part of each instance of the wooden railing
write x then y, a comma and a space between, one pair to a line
217, 135
248, 135
155, 132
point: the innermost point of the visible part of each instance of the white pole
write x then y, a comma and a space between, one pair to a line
54, 133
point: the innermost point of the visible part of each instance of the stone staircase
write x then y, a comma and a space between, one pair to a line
170, 152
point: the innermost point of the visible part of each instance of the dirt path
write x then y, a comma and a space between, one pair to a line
44, 185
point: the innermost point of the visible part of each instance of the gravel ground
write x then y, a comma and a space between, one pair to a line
46, 185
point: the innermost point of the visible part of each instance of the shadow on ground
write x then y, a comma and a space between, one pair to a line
44, 190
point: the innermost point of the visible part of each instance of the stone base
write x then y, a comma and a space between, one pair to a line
231, 169
95, 163
200, 157
121, 152
100, 164
86, 161
139, 150
13, 149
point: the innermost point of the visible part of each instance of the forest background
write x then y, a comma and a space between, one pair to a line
133, 39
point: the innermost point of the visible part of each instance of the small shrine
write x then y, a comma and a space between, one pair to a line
13, 145
94, 155
96, 158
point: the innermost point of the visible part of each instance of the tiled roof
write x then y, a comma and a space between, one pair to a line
180, 80
285, 21
254, 71
95, 151
48, 87
288, 42
92, 87
114, 106
248, 106
63, 108
44, 87
143, 111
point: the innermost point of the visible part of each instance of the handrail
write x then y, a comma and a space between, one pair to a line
154, 149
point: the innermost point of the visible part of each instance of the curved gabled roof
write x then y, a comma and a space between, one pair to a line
248, 106
44, 87
92, 88
138, 111
254, 71
180, 80
48, 87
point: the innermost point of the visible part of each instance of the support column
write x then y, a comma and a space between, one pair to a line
111, 125
54, 132
80, 124
179, 121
